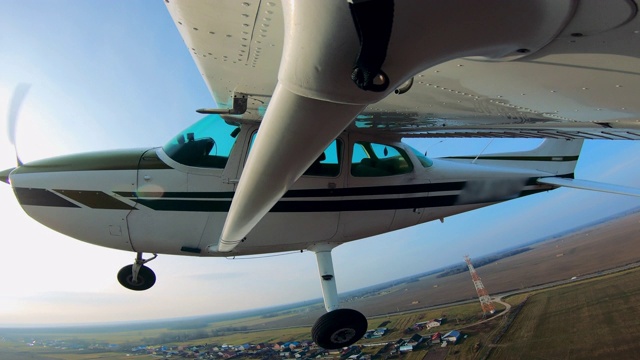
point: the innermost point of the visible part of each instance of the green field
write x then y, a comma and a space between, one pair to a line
599, 318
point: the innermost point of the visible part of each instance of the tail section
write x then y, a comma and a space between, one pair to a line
553, 156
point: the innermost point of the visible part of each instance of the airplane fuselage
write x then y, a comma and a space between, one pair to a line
145, 200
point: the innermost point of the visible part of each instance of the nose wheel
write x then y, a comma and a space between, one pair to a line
137, 277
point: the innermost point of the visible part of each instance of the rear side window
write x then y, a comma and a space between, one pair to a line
327, 164
373, 159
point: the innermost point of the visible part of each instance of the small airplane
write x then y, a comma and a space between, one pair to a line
305, 150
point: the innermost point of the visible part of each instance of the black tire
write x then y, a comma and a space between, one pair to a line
146, 278
339, 328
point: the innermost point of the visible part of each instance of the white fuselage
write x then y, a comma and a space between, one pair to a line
144, 201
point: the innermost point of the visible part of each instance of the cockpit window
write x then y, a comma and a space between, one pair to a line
425, 161
372, 159
206, 143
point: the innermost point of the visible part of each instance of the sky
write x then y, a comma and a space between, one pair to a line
109, 75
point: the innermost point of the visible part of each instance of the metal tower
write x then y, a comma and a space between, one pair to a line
483, 295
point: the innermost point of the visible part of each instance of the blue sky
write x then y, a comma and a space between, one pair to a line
109, 75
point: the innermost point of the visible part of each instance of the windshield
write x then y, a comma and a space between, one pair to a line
206, 143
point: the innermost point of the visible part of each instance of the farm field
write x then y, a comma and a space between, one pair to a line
608, 245
598, 318
586, 318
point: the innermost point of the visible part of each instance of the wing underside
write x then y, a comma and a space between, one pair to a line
583, 84
544, 69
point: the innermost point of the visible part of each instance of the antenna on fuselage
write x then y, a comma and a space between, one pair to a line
432, 145
482, 152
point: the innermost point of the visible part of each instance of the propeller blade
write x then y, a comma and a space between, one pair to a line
19, 94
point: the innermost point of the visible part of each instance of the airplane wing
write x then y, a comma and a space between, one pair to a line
460, 68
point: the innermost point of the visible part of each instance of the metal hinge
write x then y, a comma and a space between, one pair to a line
239, 106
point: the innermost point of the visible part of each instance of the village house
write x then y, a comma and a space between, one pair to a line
452, 336
415, 340
428, 324
436, 338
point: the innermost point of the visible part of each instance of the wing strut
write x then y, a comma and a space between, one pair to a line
294, 132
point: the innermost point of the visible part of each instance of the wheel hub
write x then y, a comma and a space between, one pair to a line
343, 335
132, 281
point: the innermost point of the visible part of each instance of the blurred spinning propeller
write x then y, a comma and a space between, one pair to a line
19, 94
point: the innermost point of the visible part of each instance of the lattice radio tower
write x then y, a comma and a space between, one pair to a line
483, 295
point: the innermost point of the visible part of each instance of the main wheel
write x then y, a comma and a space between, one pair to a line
339, 328
146, 278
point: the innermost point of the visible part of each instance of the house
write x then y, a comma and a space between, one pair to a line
375, 333
291, 345
452, 336
406, 348
433, 323
436, 338
285, 352
415, 340
351, 350
379, 332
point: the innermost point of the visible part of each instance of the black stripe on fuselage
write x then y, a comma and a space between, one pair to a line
425, 195
41, 197
324, 205
95, 199
315, 193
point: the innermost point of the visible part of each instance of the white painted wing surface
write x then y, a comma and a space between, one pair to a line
547, 68
583, 84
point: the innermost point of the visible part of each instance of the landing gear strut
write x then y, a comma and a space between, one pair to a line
338, 327
137, 276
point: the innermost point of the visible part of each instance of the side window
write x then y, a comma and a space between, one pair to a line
372, 159
327, 164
